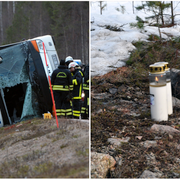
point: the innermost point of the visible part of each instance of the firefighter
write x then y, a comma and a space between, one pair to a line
85, 106
77, 88
62, 86
68, 60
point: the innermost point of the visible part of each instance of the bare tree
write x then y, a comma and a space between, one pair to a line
65, 40
102, 6
14, 7
8, 6
133, 6
40, 19
172, 13
1, 21
82, 36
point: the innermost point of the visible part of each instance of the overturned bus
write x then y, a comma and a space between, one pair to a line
24, 86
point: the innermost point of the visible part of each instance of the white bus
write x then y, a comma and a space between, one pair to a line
24, 84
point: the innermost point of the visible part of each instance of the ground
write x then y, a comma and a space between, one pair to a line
121, 109
36, 148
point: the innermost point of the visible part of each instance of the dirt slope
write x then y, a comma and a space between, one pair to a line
120, 111
38, 149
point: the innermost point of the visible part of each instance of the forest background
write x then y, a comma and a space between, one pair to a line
67, 22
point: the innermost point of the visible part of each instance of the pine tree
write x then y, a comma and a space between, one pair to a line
157, 8
67, 22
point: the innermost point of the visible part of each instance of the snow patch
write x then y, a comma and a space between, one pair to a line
110, 49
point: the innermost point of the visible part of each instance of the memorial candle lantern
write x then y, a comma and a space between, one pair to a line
158, 94
168, 86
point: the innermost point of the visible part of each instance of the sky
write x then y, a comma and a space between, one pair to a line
111, 49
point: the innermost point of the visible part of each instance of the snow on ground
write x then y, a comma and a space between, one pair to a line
110, 49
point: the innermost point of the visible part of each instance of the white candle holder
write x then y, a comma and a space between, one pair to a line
158, 92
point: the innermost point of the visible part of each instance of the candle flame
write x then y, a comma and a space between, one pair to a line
156, 79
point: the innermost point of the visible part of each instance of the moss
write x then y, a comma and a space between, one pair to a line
82, 152
75, 136
22, 171
63, 146
43, 168
45, 144
153, 37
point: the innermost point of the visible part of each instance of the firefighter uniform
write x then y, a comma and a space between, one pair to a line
85, 106
62, 85
76, 93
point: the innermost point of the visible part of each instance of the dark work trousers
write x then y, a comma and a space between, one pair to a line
76, 108
63, 107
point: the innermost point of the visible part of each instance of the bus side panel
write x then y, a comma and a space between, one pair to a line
54, 59
44, 95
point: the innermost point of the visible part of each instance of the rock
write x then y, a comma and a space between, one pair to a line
148, 144
135, 99
100, 164
157, 138
176, 174
148, 175
129, 97
134, 114
178, 146
100, 96
158, 172
177, 160
170, 136
175, 82
127, 102
175, 102
151, 159
118, 141
138, 137
113, 90
122, 88
118, 160
99, 111
139, 94
164, 129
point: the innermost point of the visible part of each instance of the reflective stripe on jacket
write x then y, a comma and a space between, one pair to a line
77, 83
61, 79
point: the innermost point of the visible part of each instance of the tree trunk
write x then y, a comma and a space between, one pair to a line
65, 41
14, 7
8, 11
133, 6
1, 22
101, 7
157, 20
29, 29
159, 28
172, 13
161, 12
82, 38
40, 19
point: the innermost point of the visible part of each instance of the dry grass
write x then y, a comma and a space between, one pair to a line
38, 149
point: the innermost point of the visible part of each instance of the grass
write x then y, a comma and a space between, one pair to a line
75, 136
35, 139
63, 146
82, 152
